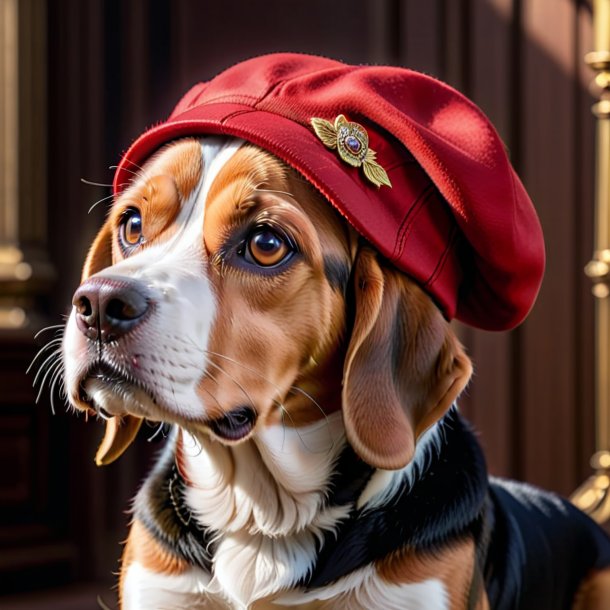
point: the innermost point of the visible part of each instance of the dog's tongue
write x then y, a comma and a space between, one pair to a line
120, 433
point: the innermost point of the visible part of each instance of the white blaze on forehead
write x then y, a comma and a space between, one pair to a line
187, 242
216, 152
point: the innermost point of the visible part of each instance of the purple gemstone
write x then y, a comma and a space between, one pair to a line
353, 144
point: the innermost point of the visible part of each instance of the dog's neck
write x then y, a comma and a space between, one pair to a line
302, 498
274, 484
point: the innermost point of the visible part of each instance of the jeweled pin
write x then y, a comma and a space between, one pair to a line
352, 142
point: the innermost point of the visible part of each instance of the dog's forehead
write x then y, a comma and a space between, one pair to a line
213, 186
192, 166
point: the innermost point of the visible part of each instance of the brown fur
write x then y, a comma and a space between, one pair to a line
286, 324
594, 592
403, 358
453, 565
141, 547
286, 341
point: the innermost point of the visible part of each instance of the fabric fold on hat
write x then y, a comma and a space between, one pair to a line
456, 217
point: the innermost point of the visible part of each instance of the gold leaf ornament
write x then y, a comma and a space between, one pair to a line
352, 143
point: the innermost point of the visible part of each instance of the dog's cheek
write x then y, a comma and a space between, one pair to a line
250, 361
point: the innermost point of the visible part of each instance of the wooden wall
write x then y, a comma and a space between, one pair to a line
116, 67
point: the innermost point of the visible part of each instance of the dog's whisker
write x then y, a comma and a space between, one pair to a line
92, 183
156, 433
281, 407
140, 173
245, 393
54, 380
213, 397
277, 388
48, 328
102, 604
51, 370
99, 201
51, 344
55, 354
212, 377
315, 402
310, 397
244, 366
261, 190
285, 411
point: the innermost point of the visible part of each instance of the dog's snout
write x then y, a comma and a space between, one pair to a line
107, 308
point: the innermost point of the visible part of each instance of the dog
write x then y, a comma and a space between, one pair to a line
275, 280
316, 458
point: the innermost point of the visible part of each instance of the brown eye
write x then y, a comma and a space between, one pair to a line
130, 229
268, 248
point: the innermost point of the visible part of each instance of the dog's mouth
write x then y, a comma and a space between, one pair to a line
122, 394
102, 375
235, 425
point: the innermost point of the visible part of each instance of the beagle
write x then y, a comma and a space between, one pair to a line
316, 458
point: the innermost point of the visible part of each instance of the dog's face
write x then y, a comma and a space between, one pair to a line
226, 295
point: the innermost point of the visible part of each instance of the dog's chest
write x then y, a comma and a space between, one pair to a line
257, 566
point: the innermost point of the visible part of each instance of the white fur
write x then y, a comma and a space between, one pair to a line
274, 484
266, 496
361, 590
365, 590
385, 484
147, 590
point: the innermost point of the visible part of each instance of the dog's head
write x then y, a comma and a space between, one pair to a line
225, 294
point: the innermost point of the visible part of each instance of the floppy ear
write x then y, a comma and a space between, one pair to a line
120, 431
404, 366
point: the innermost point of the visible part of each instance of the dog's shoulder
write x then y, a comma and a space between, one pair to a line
541, 548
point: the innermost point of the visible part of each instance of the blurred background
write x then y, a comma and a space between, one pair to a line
80, 79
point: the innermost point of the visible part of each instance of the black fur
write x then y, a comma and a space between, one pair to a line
541, 548
444, 503
532, 548
337, 273
160, 506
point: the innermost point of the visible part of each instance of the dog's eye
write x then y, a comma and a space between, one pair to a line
267, 247
130, 228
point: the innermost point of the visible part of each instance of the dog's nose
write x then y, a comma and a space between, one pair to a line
108, 308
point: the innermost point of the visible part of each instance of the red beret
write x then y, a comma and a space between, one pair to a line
456, 217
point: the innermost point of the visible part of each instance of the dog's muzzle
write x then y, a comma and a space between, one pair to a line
109, 308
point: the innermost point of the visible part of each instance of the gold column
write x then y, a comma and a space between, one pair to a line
24, 268
593, 496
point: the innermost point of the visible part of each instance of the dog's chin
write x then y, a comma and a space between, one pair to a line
109, 401
110, 392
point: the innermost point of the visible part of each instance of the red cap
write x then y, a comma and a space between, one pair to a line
456, 217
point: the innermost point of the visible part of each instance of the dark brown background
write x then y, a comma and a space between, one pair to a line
115, 67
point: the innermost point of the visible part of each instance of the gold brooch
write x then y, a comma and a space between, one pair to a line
352, 143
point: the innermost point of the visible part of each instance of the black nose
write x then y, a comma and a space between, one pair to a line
108, 308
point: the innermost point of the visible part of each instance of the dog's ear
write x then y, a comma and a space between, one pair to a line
100, 254
404, 366
120, 431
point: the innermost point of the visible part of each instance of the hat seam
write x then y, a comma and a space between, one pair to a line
236, 113
287, 80
443, 258
407, 223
